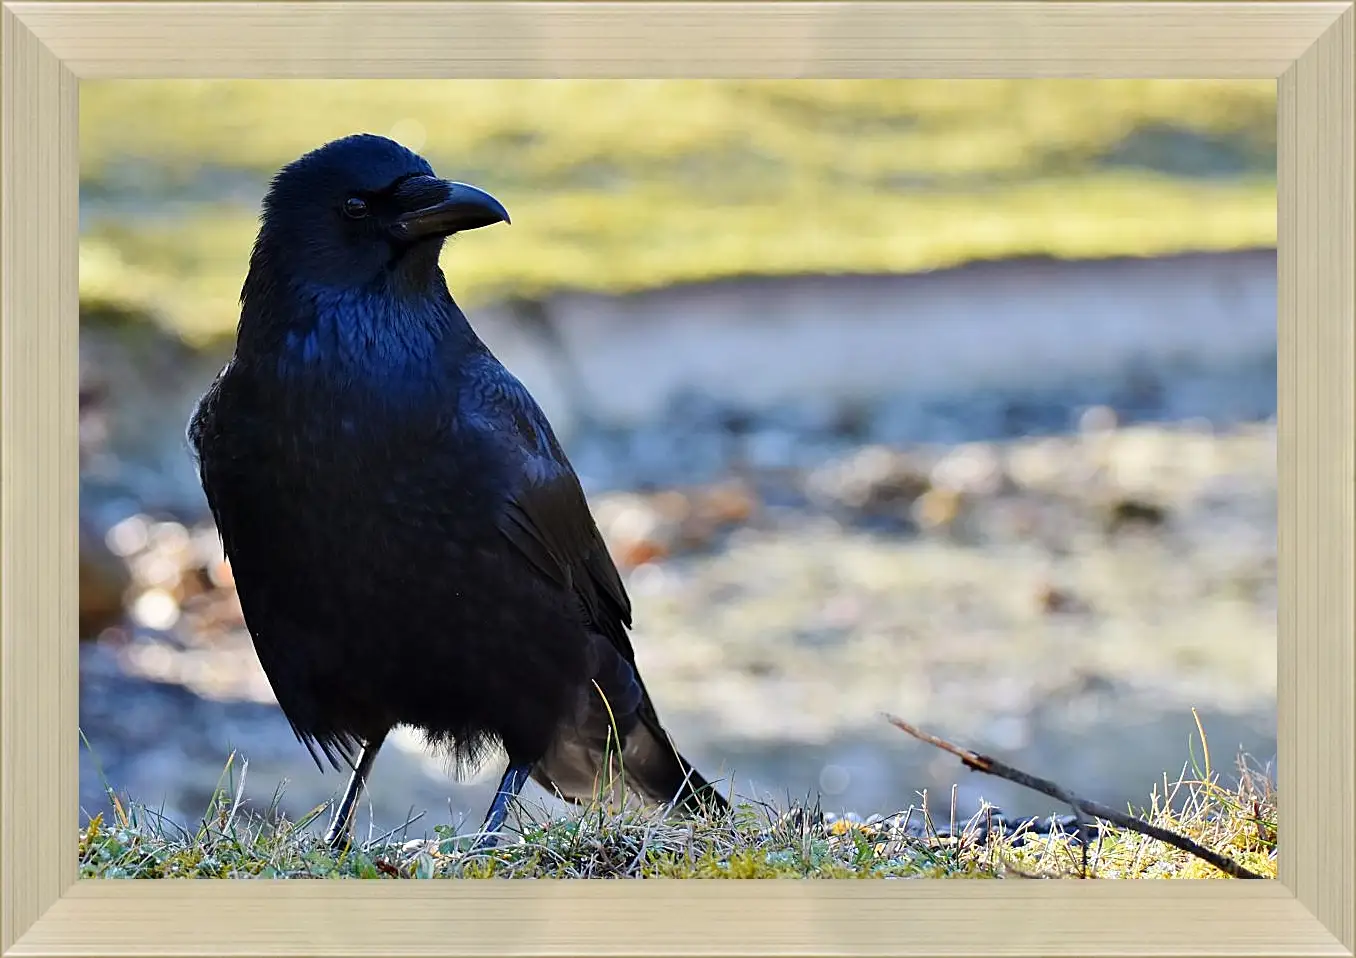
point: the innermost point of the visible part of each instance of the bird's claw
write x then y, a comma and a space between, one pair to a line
483, 843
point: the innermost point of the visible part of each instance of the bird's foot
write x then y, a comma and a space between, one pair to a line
472, 843
484, 842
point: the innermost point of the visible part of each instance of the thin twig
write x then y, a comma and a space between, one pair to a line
991, 766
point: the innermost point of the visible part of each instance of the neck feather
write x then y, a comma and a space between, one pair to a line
364, 332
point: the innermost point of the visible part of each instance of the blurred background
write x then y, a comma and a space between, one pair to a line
951, 399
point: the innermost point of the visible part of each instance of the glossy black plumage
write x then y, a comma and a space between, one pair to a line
409, 541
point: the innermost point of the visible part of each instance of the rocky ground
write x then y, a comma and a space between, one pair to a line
1060, 601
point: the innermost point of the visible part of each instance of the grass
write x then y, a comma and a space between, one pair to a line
625, 185
754, 841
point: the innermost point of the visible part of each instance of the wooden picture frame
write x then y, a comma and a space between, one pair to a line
49, 47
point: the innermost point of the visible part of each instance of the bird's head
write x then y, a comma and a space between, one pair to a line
363, 208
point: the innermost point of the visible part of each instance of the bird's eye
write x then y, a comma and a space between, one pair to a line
354, 208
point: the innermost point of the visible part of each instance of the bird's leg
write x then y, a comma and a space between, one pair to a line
337, 833
515, 777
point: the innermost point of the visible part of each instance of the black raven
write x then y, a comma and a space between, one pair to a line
409, 542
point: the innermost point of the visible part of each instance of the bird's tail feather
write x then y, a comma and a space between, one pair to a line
648, 765
656, 769
616, 708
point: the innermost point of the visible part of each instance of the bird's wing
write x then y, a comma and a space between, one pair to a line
547, 520
546, 516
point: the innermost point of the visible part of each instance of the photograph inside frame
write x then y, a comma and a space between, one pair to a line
523, 478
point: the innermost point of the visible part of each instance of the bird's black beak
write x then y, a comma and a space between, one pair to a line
441, 208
